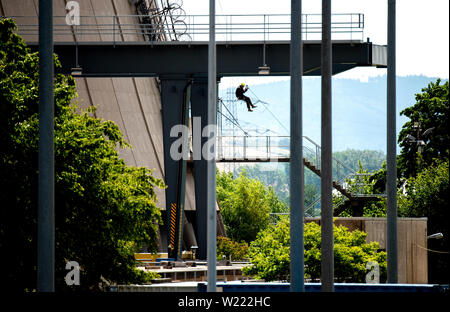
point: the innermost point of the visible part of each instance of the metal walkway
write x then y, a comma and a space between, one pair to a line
112, 46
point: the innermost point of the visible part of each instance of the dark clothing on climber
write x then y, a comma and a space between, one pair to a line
240, 95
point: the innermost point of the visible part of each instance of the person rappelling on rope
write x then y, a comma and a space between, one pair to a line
240, 95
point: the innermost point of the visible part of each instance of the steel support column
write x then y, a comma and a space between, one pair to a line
391, 180
46, 210
175, 95
199, 114
296, 164
211, 186
327, 266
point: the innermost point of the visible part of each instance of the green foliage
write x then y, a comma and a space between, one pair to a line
228, 249
371, 160
245, 205
427, 195
311, 193
277, 178
424, 174
269, 254
105, 210
362, 184
431, 110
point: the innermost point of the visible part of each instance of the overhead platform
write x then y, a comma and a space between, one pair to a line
190, 59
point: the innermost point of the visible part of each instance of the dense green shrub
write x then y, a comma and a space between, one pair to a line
245, 205
226, 248
427, 195
270, 259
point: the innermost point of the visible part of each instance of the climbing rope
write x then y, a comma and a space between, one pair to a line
246, 134
234, 121
267, 108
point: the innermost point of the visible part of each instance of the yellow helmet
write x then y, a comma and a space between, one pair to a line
242, 84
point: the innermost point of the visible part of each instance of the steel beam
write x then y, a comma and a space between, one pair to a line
235, 59
327, 277
46, 192
391, 180
296, 164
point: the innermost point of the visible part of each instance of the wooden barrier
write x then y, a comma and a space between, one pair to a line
412, 243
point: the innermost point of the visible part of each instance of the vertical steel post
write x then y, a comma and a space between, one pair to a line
199, 113
296, 165
181, 187
46, 210
326, 166
211, 189
391, 181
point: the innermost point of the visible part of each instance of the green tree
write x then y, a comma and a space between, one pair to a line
245, 204
269, 254
371, 160
363, 183
278, 180
427, 195
431, 110
104, 209
270, 176
228, 249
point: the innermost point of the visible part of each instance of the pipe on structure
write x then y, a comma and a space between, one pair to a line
211, 186
391, 180
46, 201
327, 264
296, 165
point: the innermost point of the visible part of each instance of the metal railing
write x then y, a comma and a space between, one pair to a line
276, 147
253, 147
312, 152
237, 27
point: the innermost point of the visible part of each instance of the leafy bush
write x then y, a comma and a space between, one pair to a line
364, 184
269, 254
227, 248
427, 195
245, 205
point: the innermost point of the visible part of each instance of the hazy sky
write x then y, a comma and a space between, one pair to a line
422, 28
